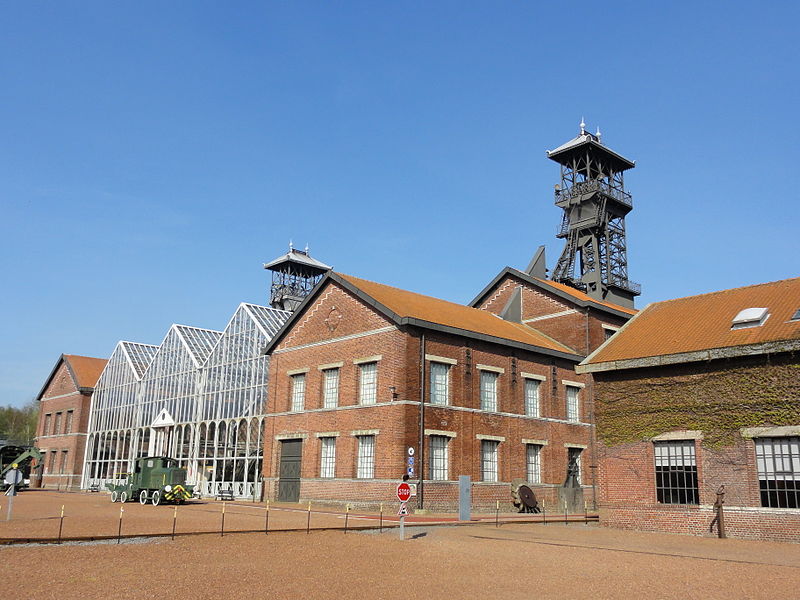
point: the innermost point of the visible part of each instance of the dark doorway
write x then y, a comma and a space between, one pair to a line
289, 481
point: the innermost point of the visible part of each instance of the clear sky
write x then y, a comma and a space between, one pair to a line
155, 154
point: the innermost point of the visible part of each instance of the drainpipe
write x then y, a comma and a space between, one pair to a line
421, 453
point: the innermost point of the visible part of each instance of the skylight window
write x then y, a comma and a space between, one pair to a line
796, 316
750, 317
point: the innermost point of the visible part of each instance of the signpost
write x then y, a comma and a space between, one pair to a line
403, 494
13, 478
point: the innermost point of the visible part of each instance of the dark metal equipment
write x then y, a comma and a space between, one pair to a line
294, 275
719, 517
593, 197
528, 501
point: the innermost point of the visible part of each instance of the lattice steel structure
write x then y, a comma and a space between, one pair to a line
294, 275
198, 397
593, 197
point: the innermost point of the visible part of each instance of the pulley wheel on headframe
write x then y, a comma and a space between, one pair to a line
528, 499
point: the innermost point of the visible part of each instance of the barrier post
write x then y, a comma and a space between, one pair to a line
381, 522
346, 517
497, 515
266, 521
61, 524
222, 528
119, 529
174, 521
308, 520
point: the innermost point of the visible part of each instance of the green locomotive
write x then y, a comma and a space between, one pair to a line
155, 479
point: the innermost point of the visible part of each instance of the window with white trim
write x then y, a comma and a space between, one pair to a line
533, 463
327, 467
489, 449
439, 458
676, 472
68, 426
366, 456
778, 461
298, 392
489, 391
57, 426
330, 388
573, 404
440, 383
532, 397
368, 383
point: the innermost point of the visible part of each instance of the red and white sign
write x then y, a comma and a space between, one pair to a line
403, 492
403, 510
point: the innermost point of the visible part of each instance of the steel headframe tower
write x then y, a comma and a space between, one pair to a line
592, 194
294, 275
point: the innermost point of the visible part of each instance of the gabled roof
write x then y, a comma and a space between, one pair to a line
584, 138
139, 356
299, 257
199, 342
408, 308
269, 320
561, 290
84, 370
700, 328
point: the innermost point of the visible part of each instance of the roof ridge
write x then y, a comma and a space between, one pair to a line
410, 292
717, 292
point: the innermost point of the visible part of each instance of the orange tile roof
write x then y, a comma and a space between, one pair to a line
575, 293
85, 369
433, 310
704, 322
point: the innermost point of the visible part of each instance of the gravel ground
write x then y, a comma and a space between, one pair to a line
552, 561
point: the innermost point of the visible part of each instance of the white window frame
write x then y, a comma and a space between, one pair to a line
368, 383
490, 450
573, 404
532, 389
533, 462
327, 460
488, 390
330, 387
365, 465
440, 457
298, 399
439, 383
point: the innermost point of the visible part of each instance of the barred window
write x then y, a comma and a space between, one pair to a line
298, 391
573, 410
574, 455
63, 462
532, 397
778, 461
366, 457
68, 426
533, 463
330, 388
440, 383
439, 458
327, 466
489, 391
368, 385
52, 468
676, 472
57, 426
46, 430
489, 460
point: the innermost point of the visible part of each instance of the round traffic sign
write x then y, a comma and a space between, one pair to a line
403, 492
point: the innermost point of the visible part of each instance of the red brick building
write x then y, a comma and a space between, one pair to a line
698, 393
65, 400
362, 372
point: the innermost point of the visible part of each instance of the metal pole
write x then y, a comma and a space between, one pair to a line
380, 529
308, 521
119, 529
61, 524
497, 514
174, 520
421, 465
11, 493
222, 528
266, 521
402, 527
346, 516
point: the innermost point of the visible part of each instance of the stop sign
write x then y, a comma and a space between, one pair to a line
403, 492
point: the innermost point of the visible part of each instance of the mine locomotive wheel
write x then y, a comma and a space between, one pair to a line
528, 499
114, 496
143, 497
123, 497
156, 498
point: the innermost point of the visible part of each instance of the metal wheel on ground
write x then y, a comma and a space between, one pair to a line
123, 497
143, 497
114, 496
156, 500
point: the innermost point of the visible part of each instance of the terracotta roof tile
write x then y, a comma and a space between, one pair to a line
425, 308
704, 322
85, 369
583, 296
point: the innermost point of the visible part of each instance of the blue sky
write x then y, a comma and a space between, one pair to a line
154, 155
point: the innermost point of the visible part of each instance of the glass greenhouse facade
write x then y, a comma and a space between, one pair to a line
198, 397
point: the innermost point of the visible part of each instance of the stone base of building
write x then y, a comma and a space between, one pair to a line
750, 523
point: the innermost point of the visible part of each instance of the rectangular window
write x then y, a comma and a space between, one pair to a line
573, 404
489, 460
366, 456
440, 383
63, 462
327, 466
532, 397
368, 383
57, 426
533, 454
489, 391
330, 388
778, 461
676, 472
52, 468
46, 429
439, 458
298, 392
68, 426
574, 458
